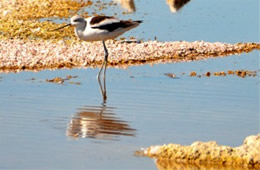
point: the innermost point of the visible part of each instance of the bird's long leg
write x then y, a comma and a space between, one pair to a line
105, 59
104, 64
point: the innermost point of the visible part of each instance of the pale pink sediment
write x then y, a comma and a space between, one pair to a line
18, 54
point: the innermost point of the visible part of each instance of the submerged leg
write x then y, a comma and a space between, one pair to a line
103, 89
104, 64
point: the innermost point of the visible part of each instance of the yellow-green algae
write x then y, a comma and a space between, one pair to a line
20, 19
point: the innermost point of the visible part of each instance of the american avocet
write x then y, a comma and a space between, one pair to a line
100, 28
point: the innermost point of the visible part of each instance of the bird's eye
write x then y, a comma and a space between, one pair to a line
77, 20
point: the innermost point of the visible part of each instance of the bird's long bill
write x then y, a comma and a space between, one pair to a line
61, 27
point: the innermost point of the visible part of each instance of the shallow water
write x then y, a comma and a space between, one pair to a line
68, 126
144, 107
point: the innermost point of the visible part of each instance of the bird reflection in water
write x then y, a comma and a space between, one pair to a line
98, 122
176, 5
129, 5
103, 90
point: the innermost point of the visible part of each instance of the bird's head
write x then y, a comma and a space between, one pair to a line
77, 20
74, 21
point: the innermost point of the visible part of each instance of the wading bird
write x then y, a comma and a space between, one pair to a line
100, 28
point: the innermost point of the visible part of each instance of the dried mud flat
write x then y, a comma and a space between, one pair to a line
17, 55
206, 154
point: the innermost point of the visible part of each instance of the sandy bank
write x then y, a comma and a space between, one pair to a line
17, 55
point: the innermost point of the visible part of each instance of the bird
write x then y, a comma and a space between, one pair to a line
100, 28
